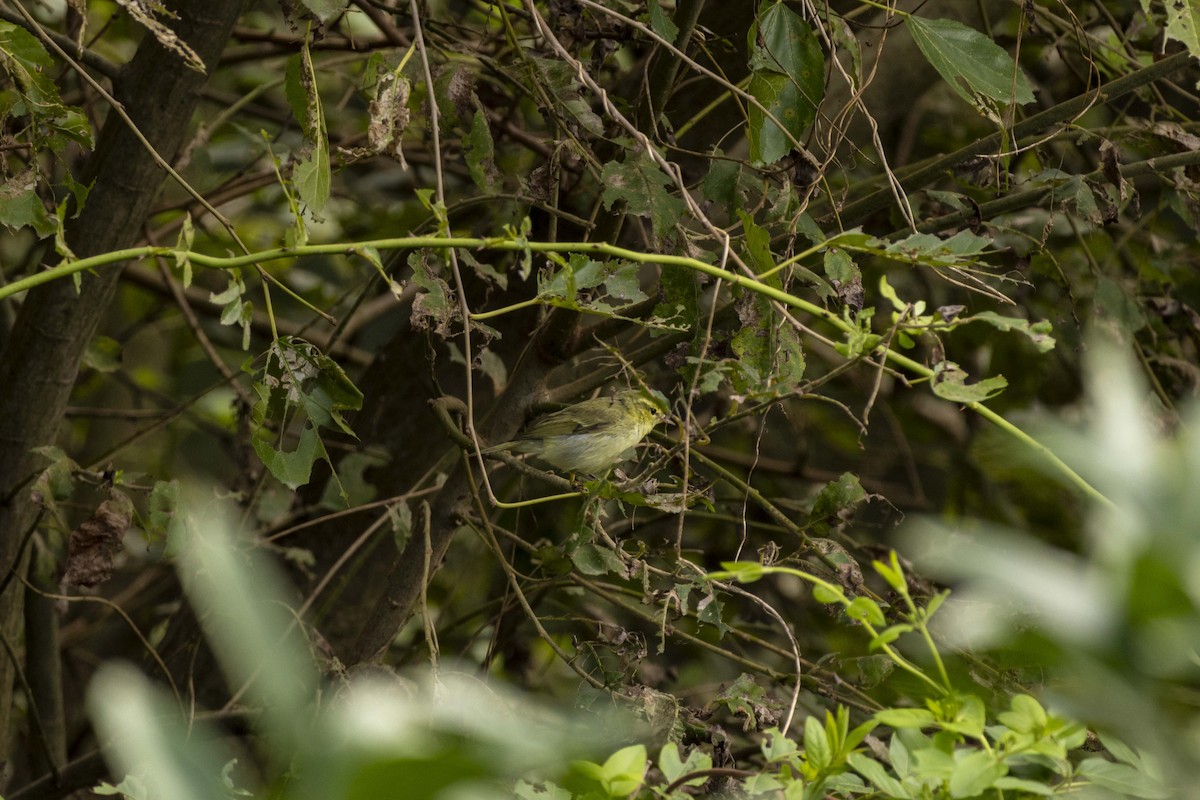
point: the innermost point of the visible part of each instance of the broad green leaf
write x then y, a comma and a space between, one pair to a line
624, 282
641, 186
977, 68
34, 93
1122, 778
591, 559
325, 10
480, 154
878, 775
963, 714
787, 78
777, 747
838, 497
906, 718
865, 609
1022, 786
827, 595
1025, 715
164, 499
711, 611
673, 767
892, 572
817, 749
434, 308
1183, 21
20, 205
888, 635
661, 22
624, 770
975, 773
769, 351
312, 176
950, 383
311, 171
352, 487
563, 84
740, 571
293, 469
1038, 332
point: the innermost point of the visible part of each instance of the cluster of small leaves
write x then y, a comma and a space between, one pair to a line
299, 383
36, 118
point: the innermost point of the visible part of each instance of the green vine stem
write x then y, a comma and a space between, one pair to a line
507, 244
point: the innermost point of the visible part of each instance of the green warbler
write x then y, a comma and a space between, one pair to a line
589, 437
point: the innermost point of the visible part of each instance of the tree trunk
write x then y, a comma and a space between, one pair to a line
39, 366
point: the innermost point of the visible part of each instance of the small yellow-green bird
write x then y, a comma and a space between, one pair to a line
590, 437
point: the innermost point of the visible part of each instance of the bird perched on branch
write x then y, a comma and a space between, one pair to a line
590, 437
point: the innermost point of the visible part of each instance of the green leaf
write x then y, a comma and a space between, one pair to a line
310, 171
865, 609
591, 559
838, 498
950, 383
878, 775
34, 93
352, 487
1122, 778
740, 571
434, 308
164, 499
1023, 786
480, 154
57, 480
817, 749
892, 572
963, 714
906, 718
624, 770
1183, 23
103, 354
661, 23
563, 85
787, 78
721, 185
1117, 308
978, 69
292, 469
1026, 715
641, 186
20, 205
975, 773
777, 747
827, 595
1038, 332
187, 235
325, 10
888, 635
673, 768
625, 283
770, 354
311, 176
711, 611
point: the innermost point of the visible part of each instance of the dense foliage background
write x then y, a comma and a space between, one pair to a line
919, 280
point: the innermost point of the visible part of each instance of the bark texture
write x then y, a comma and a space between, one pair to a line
40, 363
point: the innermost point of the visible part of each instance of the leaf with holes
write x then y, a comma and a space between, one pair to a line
787, 78
642, 187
